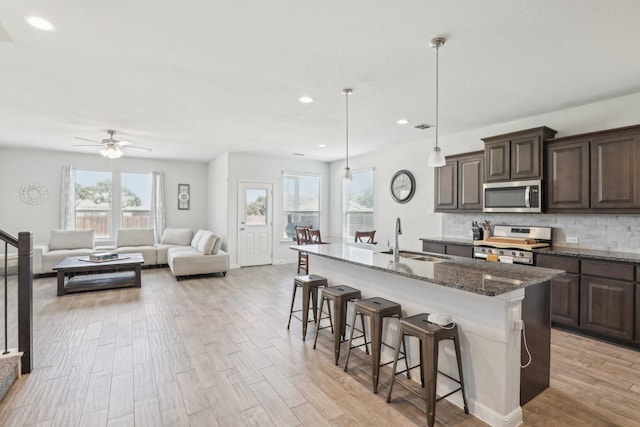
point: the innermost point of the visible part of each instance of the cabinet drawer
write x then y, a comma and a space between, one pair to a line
570, 265
460, 250
609, 269
438, 248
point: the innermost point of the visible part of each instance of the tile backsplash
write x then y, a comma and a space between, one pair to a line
606, 232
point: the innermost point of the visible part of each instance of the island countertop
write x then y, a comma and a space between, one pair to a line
470, 275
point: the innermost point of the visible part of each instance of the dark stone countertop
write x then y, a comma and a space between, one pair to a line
466, 274
449, 239
595, 254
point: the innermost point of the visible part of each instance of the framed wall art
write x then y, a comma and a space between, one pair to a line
183, 197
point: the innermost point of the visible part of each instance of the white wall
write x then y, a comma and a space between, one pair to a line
417, 215
22, 166
260, 168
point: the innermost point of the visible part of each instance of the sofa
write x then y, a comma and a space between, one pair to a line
202, 256
62, 244
186, 253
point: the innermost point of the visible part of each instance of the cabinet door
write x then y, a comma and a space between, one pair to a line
637, 310
470, 180
446, 191
497, 156
460, 250
525, 157
567, 176
438, 248
565, 290
565, 300
615, 174
606, 306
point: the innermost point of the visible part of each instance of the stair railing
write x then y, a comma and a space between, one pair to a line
24, 244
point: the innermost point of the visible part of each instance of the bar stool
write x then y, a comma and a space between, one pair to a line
430, 335
309, 284
340, 295
377, 309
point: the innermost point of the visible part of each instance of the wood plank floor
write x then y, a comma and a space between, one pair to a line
216, 352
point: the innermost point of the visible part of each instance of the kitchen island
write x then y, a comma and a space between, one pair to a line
486, 300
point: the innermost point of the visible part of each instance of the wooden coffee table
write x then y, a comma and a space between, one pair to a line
117, 273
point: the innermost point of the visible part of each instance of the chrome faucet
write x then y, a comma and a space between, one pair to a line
396, 248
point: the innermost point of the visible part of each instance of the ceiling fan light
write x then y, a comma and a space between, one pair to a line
436, 158
111, 152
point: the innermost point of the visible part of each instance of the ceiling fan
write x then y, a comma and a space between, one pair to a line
111, 147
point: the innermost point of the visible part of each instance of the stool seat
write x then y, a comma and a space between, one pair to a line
430, 335
309, 284
377, 309
340, 295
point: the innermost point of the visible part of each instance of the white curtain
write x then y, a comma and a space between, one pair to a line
68, 198
157, 204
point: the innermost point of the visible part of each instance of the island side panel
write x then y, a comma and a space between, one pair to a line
490, 347
536, 314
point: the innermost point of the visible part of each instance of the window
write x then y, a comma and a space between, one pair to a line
358, 203
135, 200
105, 202
93, 202
300, 202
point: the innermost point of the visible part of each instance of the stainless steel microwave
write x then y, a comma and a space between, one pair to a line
513, 196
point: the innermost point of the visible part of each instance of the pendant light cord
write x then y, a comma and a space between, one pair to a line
346, 95
437, 84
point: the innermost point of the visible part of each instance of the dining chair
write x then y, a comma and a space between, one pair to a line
314, 237
302, 238
365, 237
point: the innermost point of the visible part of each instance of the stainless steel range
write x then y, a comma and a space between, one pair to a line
512, 244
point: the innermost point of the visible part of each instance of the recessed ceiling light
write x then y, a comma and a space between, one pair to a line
322, 145
305, 99
402, 121
39, 23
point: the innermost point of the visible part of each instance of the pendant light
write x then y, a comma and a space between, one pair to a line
436, 158
347, 171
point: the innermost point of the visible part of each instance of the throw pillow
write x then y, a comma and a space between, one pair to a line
217, 244
176, 236
207, 242
196, 239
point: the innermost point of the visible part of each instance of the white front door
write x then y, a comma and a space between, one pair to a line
255, 235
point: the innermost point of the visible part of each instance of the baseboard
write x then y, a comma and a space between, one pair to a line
481, 412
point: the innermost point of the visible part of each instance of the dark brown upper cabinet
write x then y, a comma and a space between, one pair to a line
597, 172
567, 174
516, 155
615, 171
458, 184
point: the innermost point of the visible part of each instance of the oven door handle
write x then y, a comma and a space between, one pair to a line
527, 196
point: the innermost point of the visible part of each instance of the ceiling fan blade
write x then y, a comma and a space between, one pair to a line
138, 148
86, 145
86, 139
125, 143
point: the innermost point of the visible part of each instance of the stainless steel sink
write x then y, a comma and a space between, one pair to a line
418, 256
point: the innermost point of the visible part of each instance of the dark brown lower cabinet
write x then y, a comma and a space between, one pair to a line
637, 312
565, 290
606, 307
448, 248
565, 306
459, 250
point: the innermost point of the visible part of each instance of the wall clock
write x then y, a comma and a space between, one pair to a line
403, 186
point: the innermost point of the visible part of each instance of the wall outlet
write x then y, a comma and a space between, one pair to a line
515, 317
572, 239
